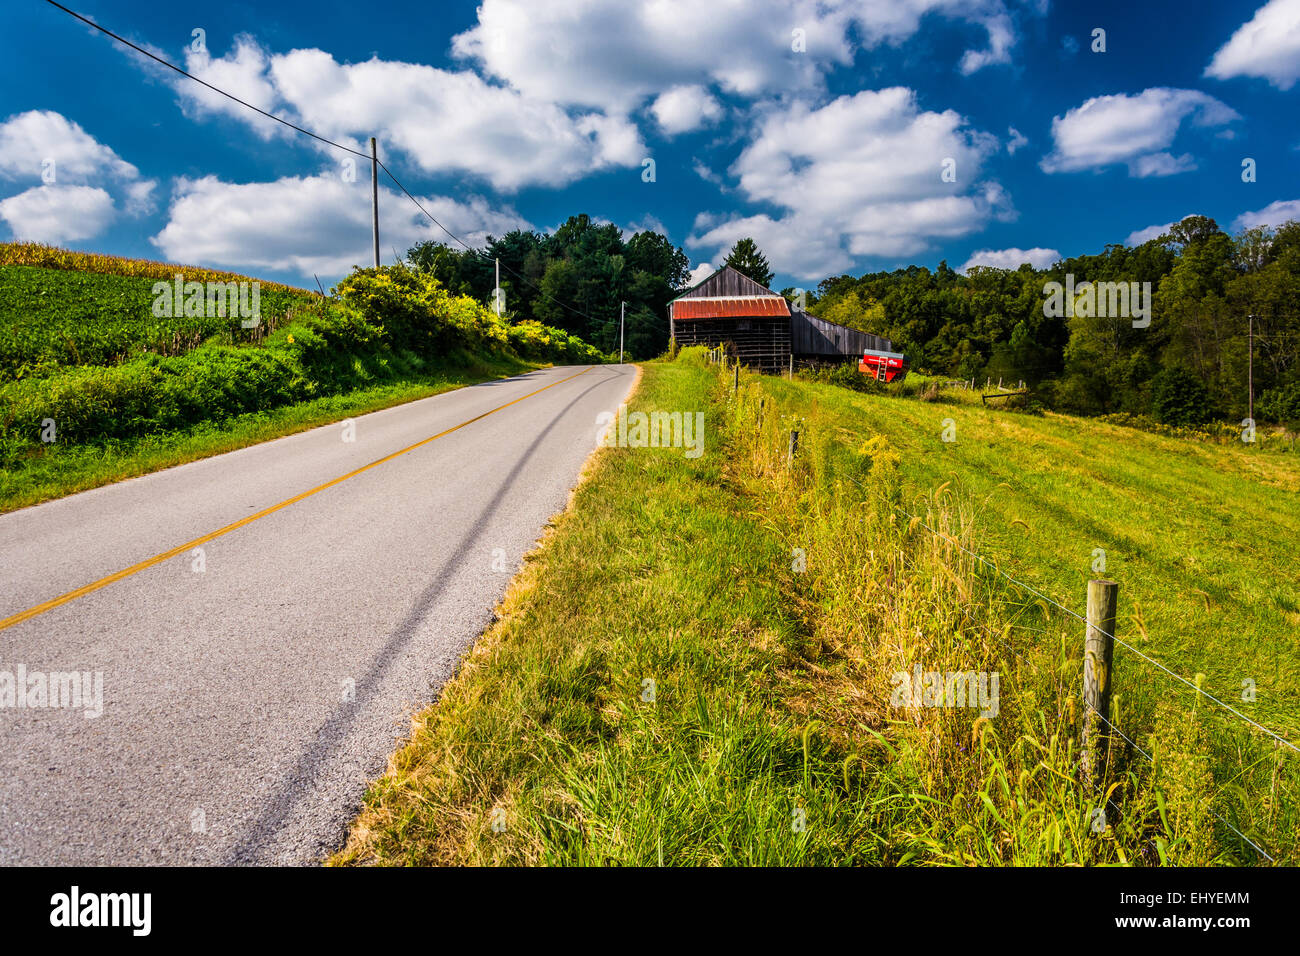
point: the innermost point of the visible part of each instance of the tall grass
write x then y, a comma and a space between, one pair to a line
770, 607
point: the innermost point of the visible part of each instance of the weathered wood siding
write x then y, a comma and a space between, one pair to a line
812, 336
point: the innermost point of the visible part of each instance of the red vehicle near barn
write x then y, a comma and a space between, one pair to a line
883, 366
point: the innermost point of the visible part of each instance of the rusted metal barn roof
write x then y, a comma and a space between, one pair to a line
726, 307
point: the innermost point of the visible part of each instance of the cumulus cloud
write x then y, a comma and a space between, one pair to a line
860, 176
1037, 257
73, 169
243, 73
700, 273
1273, 215
313, 224
685, 108
1267, 46
1016, 140
56, 214
1135, 130
615, 56
1139, 236
30, 140
441, 120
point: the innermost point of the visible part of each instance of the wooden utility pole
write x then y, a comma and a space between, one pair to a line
1250, 373
622, 307
496, 290
1098, 655
374, 193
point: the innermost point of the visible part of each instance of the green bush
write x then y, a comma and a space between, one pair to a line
847, 375
388, 322
1180, 398
1282, 405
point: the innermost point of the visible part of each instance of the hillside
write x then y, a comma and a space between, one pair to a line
707, 676
103, 376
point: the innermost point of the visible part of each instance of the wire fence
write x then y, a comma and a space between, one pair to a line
1073, 614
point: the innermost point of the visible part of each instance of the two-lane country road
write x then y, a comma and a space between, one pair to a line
264, 630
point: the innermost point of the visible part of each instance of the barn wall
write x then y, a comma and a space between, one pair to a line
760, 344
811, 336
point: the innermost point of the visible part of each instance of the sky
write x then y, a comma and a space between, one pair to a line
844, 136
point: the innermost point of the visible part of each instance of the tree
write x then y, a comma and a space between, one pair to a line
746, 259
1179, 398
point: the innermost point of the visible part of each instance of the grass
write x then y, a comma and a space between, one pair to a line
94, 388
60, 470
698, 665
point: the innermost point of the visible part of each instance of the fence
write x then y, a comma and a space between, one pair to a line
1100, 640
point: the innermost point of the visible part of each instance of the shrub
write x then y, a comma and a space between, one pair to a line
1180, 398
1282, 405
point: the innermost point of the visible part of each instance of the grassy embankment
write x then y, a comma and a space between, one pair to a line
122, 392
768, 735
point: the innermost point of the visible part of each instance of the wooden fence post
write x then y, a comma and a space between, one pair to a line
792, 366
1098, 655
794, 446
735, 381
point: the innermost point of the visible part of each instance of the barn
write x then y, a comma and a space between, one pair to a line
758, 326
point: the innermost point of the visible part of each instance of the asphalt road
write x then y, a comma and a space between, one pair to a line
246, 705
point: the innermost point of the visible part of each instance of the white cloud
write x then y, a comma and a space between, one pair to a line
615, 56
685, 108
860, 176
1139, 236
32, 140
1037, 257
1002, 37
700, 273
1267, 46
1134, 130
56, 214
1274, 214
73, 168
708, 175
441, 120
314, 224
1016, 140
243, 73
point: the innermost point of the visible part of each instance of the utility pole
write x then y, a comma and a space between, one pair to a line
374, 193
496, 291
622, 307
1250, 372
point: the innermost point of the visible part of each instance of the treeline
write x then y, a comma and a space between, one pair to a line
573, 279
1188, 366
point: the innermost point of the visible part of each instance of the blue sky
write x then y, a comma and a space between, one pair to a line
822, 129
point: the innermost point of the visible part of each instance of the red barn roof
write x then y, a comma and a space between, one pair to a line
726, 307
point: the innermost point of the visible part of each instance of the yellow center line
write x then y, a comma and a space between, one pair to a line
182, 548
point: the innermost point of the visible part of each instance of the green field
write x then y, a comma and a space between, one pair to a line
95, 388
771, 736
53, 318
1202, 537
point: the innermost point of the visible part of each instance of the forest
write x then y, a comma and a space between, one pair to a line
1188, 365
1191, 364
573, 279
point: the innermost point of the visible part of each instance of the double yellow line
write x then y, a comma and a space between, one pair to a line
189, 545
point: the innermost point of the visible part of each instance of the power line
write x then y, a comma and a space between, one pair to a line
231, 96
315, 136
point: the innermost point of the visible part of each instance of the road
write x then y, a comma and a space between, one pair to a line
252, 690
